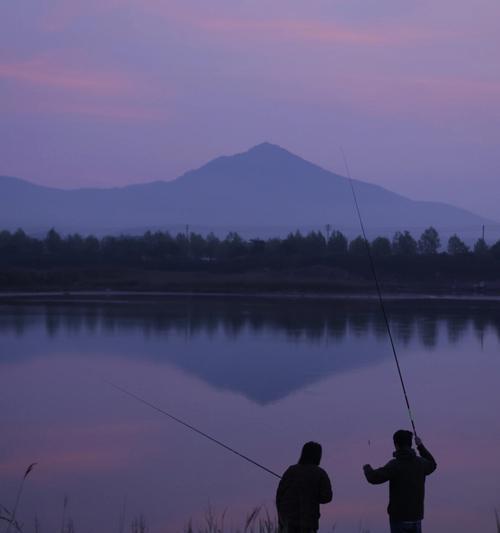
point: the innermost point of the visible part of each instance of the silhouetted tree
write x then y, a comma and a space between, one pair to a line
429, 242
53, 242
357, 246
495, 250
5, 237
404, 244
91, 247
381, 247
212, 245
257, 246
480, 248
313, 244
337, 243
273, 251
161, 250
233, 245
72, 249
182, 242
197, 245
456, 246
291, 245
19, 248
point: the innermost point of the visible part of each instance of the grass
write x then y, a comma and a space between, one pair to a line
7, 517
257, 521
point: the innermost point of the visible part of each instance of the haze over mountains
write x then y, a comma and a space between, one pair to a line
264, 191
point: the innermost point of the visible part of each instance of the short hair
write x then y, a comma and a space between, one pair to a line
403, 438
311, 454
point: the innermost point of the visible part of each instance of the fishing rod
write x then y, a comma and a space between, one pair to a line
191, 427
379, 292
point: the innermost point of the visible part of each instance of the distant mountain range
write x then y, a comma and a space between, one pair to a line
266, 190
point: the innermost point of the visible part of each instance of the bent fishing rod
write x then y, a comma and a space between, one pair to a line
191, 427
379, 292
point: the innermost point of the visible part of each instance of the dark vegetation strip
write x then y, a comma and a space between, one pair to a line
196, 261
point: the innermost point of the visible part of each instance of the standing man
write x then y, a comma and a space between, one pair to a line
301, 490
406, 474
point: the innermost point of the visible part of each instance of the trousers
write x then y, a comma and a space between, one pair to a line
285, 527
406, 527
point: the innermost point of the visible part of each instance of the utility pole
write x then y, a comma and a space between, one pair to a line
328, 228
483, 232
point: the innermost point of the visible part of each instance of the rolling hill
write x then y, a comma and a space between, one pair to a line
266, 190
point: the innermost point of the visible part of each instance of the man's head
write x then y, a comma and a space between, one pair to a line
402, 439
311, 454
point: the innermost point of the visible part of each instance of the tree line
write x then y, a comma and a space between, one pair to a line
403, 255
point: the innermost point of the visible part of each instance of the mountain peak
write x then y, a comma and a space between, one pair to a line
266, 145
268, 149
266, 157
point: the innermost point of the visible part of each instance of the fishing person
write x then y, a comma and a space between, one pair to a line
406, 474
303, 487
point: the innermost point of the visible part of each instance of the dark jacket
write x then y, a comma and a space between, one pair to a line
300, 491
406, 475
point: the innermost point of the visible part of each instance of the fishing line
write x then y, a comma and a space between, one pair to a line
379, 292
191, 427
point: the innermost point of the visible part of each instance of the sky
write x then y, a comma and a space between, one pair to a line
112, 92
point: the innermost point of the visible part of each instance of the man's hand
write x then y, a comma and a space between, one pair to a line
367, 468
418, 441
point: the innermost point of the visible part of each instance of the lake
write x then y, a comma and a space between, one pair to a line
262, 375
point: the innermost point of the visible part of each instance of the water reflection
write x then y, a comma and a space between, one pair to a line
311, 320
354, 332
261, 375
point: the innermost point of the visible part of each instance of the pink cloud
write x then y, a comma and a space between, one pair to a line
124, 112
63, 13
45, 72
278, 29
48, 85
105, 110
307, 31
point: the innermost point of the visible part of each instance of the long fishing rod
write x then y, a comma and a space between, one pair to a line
191, 427
379, 292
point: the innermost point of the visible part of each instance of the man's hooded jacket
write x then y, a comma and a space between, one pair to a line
406, 474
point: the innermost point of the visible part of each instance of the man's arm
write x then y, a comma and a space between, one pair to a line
325, 488
429, 462
378, 475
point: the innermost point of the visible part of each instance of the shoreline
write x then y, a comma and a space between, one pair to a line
315, 283
124, 296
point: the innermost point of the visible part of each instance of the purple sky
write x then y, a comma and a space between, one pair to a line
111, 92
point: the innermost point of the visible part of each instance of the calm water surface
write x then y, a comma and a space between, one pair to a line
263, 376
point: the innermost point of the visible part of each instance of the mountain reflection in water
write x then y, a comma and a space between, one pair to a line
237, 367
263, 376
